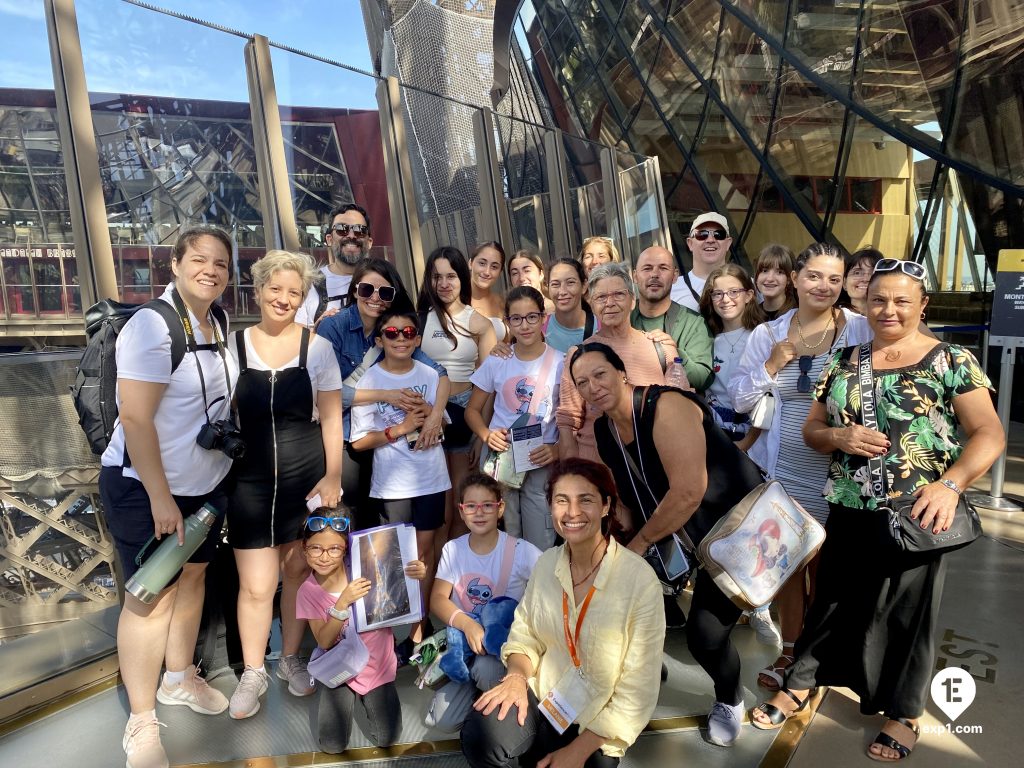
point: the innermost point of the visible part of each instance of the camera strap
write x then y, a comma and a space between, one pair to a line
193, 346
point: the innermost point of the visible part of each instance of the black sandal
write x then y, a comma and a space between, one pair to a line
775, 715
883, 739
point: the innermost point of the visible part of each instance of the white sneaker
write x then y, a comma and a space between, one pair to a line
245, 701
767, 632
293, 670
141, 742
193, 692
724, 723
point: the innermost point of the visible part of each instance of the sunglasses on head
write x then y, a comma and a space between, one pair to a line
803, 384
391, 332
318, 523
384, 292
344, 230
703, 234
908, 268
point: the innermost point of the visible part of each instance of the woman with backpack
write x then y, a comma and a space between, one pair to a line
155, 472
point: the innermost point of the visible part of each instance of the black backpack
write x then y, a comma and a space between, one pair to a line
94, 390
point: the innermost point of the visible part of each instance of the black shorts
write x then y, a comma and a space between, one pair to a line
129, 517
426, 513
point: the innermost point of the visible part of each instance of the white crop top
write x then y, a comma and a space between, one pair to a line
460, 361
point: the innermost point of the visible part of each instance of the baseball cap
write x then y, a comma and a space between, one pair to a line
706, 218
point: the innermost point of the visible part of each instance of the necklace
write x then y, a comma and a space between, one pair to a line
591, 571
824, 333
740, 336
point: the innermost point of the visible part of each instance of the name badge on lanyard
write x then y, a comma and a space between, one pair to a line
570, 696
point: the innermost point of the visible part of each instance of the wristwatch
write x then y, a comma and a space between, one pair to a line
342, 615
952, 486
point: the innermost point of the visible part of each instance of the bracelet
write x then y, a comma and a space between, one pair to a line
515, 674
388, 436
451, 619
952, 486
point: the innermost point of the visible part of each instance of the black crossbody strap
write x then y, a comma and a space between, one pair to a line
869, 418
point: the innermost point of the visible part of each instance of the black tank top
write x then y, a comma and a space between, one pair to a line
731, 473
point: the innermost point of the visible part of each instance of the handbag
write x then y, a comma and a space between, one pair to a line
765, 539
426, 657
342, 661
907, 533
501, 466
763, 413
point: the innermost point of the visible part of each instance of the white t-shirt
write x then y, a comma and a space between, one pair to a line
337, 285
729, 348
144, 354
681, 294
474, 578
514, 381
321, 364
398, 471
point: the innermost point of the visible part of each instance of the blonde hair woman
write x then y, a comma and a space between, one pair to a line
289, 406
596, 251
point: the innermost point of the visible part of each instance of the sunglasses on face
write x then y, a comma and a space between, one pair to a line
530, 319
344, 230
703, 234
339, 524
908, 268
391, 333
384, 292
803, 384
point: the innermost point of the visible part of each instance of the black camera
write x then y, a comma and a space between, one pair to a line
222, 436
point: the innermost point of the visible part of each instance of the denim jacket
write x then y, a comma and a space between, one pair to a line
345, 332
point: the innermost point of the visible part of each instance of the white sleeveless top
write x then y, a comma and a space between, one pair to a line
460, 360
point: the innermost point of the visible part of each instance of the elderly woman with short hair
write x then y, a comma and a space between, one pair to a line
612, 296
289, 406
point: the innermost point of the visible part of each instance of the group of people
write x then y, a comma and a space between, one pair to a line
532, 440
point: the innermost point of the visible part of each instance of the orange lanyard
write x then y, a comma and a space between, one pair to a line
569, 640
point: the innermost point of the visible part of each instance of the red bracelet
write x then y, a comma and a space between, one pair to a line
387, 435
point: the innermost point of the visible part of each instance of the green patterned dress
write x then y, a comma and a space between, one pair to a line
872, 624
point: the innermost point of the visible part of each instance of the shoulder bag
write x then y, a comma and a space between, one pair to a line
341, 662
763, 413
907, 533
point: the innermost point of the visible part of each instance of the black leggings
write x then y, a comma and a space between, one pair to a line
332, 716
708, 635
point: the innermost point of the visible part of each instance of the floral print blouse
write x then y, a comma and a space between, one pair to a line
915, 410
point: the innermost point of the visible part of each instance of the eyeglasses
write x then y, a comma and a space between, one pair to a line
391, 333
732, 293
344, 230
334, 551
488, 507
908, 268
531, 318
385, 292
318, 523
603, 298
703, 234
803, 384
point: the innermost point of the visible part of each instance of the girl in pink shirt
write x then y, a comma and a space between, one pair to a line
325, 599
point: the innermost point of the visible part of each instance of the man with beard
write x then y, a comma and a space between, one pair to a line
348, 242
709, 243
656, 311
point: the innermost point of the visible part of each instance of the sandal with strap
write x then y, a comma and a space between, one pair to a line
770, 677
885, 740
776, 716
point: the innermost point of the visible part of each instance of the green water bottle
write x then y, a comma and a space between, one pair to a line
150, 580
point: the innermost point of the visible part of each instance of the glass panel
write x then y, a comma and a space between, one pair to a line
695, 27
746, 74
174, 134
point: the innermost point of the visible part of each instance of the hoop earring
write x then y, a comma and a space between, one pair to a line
922, 315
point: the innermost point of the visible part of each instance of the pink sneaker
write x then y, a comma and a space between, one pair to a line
193, 692
141, 742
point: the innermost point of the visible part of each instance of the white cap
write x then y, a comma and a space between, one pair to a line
717, 218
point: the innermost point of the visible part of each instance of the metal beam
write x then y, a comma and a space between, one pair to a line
95, 257
558, 186
405, 223
613, 202
279, 226
495, 222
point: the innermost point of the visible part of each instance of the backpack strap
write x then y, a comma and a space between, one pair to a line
588, 325
508, 557
174, 326
240, 347
660, 349
686, 279
304, 348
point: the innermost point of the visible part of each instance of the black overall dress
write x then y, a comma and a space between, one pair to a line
284, 453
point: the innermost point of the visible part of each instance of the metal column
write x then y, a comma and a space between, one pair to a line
613, 203
995, 499
275, 190
95, 257
495, 223
558, 186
